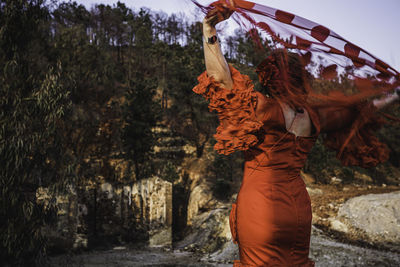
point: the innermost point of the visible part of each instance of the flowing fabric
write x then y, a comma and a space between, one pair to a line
271, 218
371, 77
296, 32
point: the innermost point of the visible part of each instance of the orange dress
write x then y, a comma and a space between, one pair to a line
271, 219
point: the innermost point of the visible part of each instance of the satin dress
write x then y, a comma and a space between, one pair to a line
271, 218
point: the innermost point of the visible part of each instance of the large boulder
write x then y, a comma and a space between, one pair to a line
210, 236
201, 199
374, 216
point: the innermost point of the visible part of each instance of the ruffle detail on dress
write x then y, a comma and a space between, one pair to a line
236, 111
357, 144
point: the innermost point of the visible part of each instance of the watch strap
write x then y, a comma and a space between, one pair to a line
212, 40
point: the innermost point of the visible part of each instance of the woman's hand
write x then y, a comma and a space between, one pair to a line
218, 14
388, 99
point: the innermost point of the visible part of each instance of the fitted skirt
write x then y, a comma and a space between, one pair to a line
271, 222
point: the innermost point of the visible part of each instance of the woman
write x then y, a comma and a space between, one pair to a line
271, 219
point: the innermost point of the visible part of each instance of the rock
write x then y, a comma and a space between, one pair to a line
160, 237
338, 226
335, 180
107, 189
327, 252
315, 218
226, 230
189, 150
227, 253
142, 210
201, 199
308, 178
362, 177
153, 198
314, 191
81, 241
119, 248
375, 215
209, 232
196, 169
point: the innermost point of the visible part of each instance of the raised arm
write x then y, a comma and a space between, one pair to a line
388, 99
216, 65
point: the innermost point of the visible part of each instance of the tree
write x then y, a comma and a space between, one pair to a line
141, 111
189, 115
140, 117
33, 103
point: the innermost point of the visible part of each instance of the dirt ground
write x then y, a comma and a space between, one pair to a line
328, 248
326, 200
325, 203
133, 257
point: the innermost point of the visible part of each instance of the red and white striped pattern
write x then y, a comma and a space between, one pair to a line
296, 32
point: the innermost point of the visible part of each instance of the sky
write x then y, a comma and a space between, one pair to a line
371, 24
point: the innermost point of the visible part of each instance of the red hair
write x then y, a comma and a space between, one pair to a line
284, 76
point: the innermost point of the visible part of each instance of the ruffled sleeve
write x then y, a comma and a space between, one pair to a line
236, 111
356, 143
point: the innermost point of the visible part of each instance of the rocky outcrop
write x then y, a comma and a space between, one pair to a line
169, 146
201, 199
152, 198
209, 231
141, 211
374, 216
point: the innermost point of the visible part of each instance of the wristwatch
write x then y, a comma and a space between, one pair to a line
212, 40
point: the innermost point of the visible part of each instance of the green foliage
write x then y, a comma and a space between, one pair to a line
322, 164
33, 105
223, 172
141, 112
390, 135
140, 116
170, 174
222, 189
221, 167
319, 160
188, 115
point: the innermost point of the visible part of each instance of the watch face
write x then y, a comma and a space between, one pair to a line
212, 39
